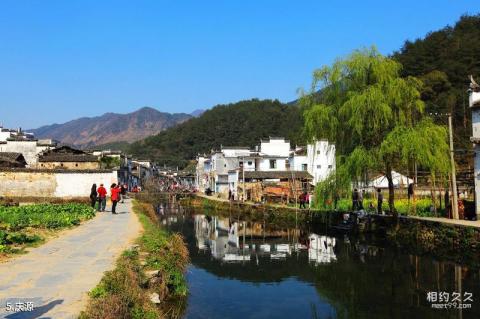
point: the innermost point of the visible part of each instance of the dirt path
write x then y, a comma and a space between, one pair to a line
57, 276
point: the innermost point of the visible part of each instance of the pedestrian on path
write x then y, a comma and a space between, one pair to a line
115, 196
102, 198
123, 192
355, 200
380, 200
302, 200
93, 195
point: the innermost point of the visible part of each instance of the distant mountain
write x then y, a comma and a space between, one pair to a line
197, 113
111, 127
243, 123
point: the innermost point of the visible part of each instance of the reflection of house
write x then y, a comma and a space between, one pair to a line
321, 249
12, 160
66, 157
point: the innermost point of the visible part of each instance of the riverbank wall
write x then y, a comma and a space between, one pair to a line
423, 236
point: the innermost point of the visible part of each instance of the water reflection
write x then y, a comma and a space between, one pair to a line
249, 268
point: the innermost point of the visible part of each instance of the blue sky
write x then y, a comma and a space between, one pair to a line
61, 60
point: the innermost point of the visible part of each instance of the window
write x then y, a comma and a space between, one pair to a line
319, 166
76, 164
250, 163
329, 166
318, 152
304, 167
273, 164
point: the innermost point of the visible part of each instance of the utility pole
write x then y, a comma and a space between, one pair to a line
454, 178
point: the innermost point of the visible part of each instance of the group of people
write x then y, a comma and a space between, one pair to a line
357, 201
99, 195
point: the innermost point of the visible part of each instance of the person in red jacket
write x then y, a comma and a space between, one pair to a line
115, 196
102, 198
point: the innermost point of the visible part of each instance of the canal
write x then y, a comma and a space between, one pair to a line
242, 268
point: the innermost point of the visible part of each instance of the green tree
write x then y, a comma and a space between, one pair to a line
374, 116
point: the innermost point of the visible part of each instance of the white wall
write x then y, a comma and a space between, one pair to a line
80, 184
264, 164
275, 147
48, 183
476, 123
297, 161
235, 152
477, 178
27, 148
248, 164
4, 136
321, 160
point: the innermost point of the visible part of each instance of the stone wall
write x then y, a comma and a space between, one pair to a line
70, 165
52, 183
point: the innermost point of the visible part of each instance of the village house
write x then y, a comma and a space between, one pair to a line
271, 170
66, 157
17, 141
474, 102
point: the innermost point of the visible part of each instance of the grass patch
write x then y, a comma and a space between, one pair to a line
23, 226
124, 292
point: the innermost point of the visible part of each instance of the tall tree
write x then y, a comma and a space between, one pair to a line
375, 117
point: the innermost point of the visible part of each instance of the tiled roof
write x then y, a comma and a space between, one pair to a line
68, 158
10, 155
277, 175
10, 159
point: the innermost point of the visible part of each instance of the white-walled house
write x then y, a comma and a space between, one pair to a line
320, 160
222, 170
273, 154
474, 102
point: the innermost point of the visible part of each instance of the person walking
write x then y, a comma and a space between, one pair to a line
93, 195
302, 201
123, 192
379, 201
114, 196
102, 198
355, 200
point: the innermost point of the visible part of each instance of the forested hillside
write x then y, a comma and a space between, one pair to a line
243, 123
443, 60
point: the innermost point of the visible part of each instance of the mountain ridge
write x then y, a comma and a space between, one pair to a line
111, 127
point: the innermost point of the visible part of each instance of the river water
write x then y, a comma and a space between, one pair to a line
256, 269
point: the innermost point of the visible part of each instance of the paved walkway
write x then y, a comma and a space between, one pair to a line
57, 276
461, 222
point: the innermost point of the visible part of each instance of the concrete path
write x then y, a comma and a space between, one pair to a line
57, 276
460, 222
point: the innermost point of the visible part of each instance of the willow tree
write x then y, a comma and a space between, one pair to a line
374, 116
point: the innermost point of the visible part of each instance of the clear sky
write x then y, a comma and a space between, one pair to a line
60, 60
